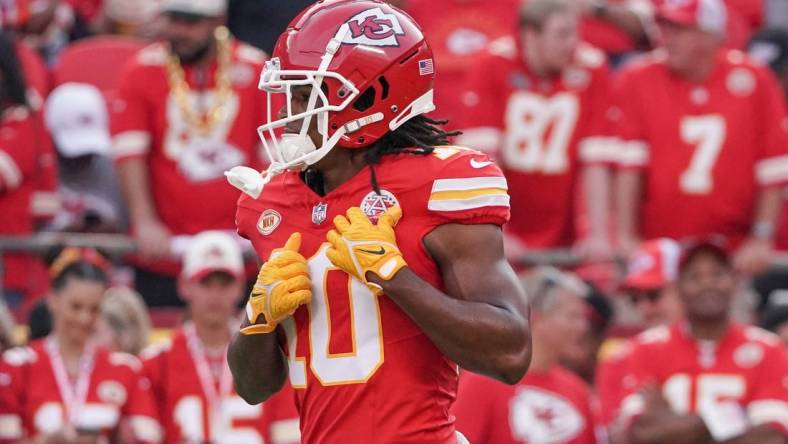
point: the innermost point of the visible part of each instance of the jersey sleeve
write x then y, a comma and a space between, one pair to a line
482, 119
609, 384
18, 153
469, 188
768, 403
629, 120
130, 114
598, 145
14, 370
772, 166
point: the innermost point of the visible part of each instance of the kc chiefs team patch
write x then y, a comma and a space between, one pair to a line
374, 204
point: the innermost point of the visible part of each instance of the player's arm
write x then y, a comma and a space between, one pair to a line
257, 361
258, 365
481, 323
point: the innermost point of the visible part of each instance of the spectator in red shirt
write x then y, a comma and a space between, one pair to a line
550, 404
708, 153
459, 35
187, 111
23, 151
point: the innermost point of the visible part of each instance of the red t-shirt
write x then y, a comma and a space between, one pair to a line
186, 399
458, 35
550, 407
747, 367
541, 130
705, 148
32, 401
186, 170
362, 370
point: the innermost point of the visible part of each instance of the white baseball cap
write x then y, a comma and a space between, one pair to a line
707, 15
206, 8
76, 115
212, 251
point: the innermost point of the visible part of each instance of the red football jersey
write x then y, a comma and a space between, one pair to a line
747, 368
541, 130
37, 396
706, 147
362, 370
24, 152
198, 405
458, 35
550, 407
186, 169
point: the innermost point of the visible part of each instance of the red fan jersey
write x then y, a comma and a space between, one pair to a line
187, 167
609, 378
541, 130
706, 147
38, 397
544, 408
458, 36
362, 370
196, 399
24, 153
744, 374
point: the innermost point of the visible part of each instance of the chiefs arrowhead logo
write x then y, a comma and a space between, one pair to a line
372, 27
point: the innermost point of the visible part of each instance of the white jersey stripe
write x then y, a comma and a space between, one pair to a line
499, 200
469, 183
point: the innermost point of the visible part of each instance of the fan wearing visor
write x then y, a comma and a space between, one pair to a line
384, 268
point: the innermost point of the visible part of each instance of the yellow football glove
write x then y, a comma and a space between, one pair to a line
359, 246
282, 286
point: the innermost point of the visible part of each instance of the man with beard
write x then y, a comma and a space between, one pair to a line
186, 111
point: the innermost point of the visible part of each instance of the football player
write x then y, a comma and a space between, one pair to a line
706, 378
189, 374
384, 259
65, 388
708, 153
538, 103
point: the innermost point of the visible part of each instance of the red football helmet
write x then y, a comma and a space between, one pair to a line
369, 68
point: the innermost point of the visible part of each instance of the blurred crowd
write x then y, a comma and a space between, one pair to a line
644, 144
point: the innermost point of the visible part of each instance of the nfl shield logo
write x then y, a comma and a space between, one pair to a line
319, 213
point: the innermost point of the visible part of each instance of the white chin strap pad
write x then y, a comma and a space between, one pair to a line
295, 146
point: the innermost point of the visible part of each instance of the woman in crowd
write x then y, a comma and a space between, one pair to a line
65, 388
125, 324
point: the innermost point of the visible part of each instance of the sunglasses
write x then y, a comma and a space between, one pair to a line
652, 296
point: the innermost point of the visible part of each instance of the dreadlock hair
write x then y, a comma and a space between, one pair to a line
419, 136
13, 90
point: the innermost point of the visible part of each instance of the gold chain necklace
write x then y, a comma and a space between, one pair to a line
181, 90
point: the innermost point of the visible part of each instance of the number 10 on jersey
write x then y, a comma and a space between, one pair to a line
366, 355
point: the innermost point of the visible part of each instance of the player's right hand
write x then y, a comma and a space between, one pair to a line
282, 286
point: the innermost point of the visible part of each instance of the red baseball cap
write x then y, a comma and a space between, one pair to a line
654, 265
715, 245
707, 15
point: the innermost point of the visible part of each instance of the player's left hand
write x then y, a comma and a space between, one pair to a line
359, 247
754, 256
